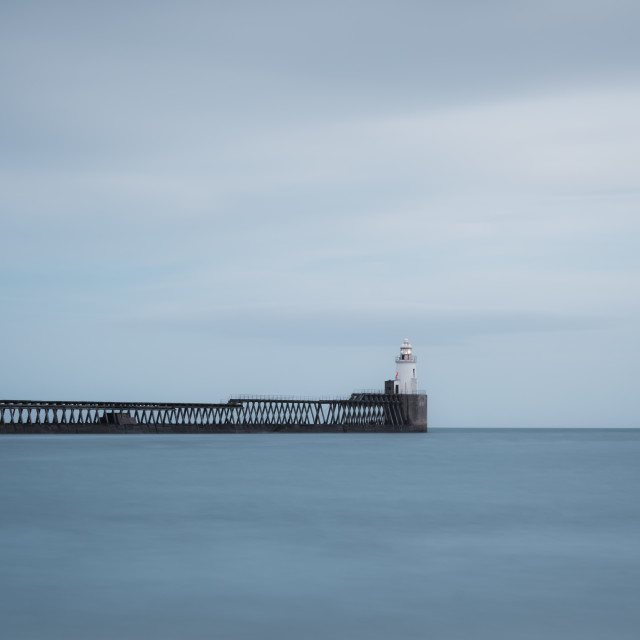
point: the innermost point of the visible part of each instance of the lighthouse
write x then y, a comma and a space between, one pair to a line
406, 380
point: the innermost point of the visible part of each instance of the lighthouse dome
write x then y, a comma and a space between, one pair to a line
406, 351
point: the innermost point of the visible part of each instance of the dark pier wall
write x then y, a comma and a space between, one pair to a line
360, 413
414, 409
200, 428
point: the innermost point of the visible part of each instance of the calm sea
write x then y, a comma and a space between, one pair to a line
457, 534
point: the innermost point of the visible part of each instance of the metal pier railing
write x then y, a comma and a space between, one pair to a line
361, 411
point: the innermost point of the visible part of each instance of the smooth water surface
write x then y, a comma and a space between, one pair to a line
455, 534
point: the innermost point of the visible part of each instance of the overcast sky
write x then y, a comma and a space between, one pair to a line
202, 199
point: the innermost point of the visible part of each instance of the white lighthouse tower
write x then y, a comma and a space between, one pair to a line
406, 379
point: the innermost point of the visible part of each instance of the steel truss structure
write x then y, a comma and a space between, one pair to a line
360, 412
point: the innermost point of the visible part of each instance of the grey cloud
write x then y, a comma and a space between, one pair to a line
342, 328
258, 58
